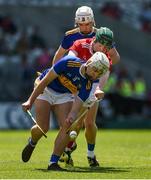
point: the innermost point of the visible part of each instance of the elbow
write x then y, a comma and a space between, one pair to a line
116, 59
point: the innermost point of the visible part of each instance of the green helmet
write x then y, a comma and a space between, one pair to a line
104, 36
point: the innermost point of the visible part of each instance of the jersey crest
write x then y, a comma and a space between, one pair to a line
86, 45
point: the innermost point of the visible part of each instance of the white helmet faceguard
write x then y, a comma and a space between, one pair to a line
84, 14
101, 62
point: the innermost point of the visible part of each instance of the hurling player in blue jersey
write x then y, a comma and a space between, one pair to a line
84, 28
70, 76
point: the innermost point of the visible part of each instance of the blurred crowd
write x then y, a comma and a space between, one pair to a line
27, 42
126, 94
22, 54
115, 10
145, 17
136, 13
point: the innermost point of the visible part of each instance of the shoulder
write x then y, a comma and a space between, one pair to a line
73, 61
72, 31
82, 42
69, 58
85, 40
78, 42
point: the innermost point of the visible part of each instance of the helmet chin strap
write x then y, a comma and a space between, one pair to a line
86, 75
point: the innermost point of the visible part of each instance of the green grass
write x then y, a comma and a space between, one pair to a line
123, 154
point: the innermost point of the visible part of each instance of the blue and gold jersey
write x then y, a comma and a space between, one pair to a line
70, 79
73, 35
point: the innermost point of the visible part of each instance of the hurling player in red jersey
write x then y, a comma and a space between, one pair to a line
84, 49
103, 41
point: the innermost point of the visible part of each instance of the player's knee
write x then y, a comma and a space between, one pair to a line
36, 130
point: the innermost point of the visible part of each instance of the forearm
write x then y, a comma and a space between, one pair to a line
56, 58
40, 86
58, 55
37, 90
114, 55
115, 59
76, 107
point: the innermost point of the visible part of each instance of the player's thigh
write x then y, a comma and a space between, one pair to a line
91, 114
42, 110
62, 111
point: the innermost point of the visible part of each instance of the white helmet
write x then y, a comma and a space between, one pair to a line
84, 14
101, 62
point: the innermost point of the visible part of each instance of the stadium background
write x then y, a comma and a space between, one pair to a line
31, 31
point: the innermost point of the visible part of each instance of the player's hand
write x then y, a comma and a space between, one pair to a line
99, 94
26, 105
69, 120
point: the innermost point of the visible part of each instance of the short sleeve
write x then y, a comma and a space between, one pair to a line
75, 47
60, 66
66, 42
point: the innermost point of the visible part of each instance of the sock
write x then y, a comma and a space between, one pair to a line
54, 159
70, 144
90, 151
31, 142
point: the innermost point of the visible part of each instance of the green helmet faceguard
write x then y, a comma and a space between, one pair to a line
104, 36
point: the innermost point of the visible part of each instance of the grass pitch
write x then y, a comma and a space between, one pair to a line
123, 154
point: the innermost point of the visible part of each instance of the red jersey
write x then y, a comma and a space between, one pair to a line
83, 48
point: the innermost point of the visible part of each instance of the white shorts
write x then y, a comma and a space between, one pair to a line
101, 84
54, 97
